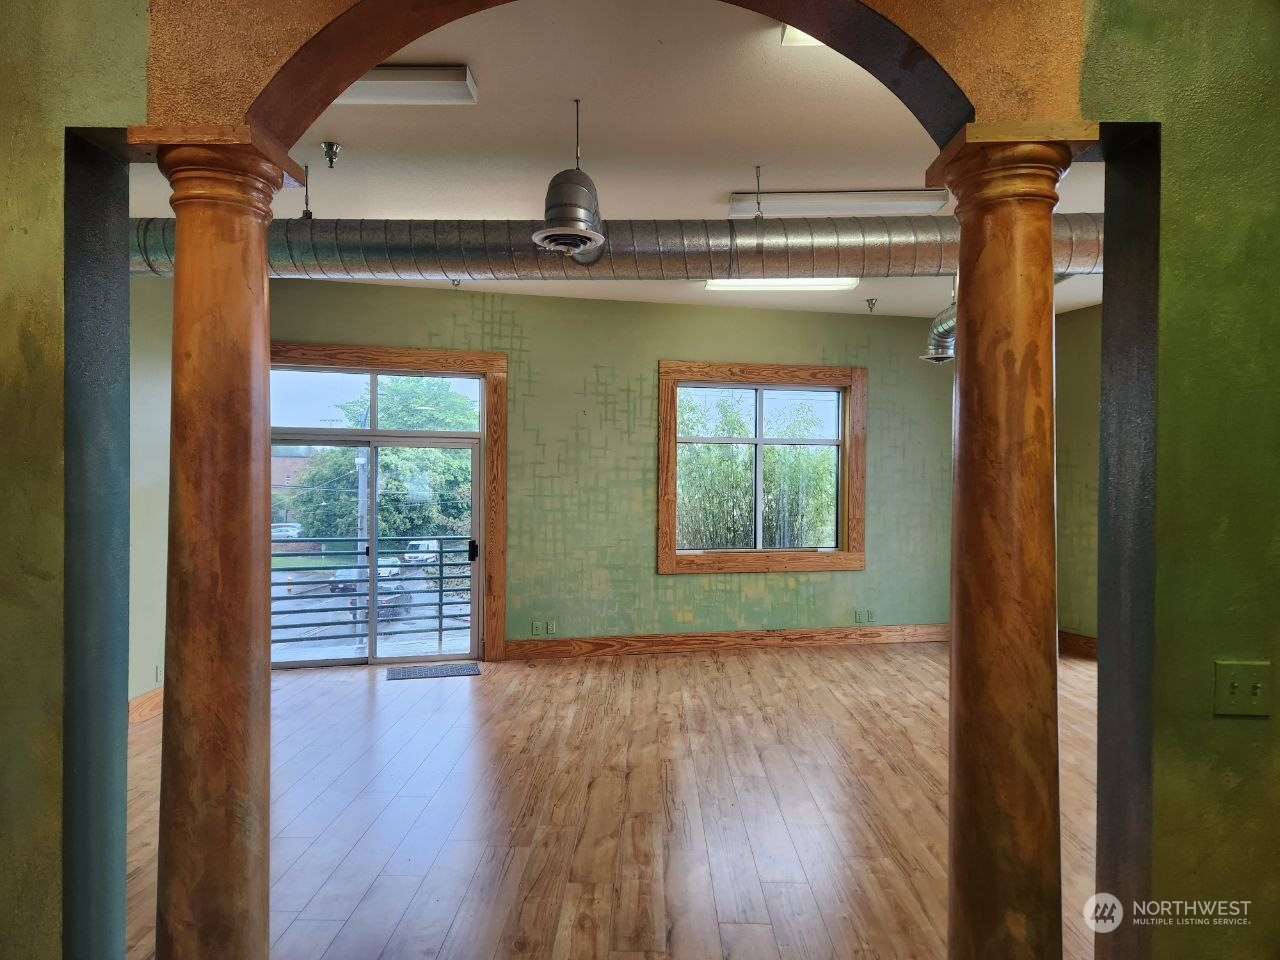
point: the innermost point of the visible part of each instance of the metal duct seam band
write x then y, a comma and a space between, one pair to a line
766, 248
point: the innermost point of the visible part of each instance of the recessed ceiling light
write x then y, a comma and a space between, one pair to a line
791, 37
839, 203
411, 86
797, 283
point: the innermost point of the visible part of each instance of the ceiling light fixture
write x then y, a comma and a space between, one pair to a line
571, 223
411, 87
795, 283
839, 203
791, 37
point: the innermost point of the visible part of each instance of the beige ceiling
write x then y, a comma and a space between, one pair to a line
681, 98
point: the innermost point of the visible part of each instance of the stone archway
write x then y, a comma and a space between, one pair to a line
234, 83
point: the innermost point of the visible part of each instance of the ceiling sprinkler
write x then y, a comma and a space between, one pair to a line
871, 304
331, 150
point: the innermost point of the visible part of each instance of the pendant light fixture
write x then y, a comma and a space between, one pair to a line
572, 224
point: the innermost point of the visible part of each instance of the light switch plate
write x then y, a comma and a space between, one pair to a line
1242, 688
537, 628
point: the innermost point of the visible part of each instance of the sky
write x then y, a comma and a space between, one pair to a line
311, 398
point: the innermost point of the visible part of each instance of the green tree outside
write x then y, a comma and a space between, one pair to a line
422, 491
715, 497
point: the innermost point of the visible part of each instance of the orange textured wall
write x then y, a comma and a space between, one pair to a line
209, 60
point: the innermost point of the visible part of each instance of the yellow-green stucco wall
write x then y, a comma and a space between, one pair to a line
63, 63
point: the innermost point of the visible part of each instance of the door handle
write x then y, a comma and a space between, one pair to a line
473, 551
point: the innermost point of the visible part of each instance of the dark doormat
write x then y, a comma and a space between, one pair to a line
428, 670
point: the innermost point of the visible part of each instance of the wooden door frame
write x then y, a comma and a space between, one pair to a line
492, 369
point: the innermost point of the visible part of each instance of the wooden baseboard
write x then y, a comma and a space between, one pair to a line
146, 705
733, 640
1069, 644
149, 704
1077, 645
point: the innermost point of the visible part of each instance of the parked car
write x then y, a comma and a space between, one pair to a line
422, 551
349, 579
393, 601
286, 531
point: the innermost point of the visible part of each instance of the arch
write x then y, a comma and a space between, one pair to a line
369, 31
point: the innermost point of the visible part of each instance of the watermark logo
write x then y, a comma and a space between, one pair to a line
1103, 912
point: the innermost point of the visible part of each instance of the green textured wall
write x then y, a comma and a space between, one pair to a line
150, 360
583, 449
583, 454
1209, 73
62, 63
1078, 356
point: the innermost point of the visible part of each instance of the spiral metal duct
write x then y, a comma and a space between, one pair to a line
632, 250
940, 347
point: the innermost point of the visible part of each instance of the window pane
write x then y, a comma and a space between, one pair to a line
319, 566
428, 403
314, 398
422, 591
715, 412
802, 414
800, 495
714, 496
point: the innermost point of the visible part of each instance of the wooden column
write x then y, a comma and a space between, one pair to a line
1005, 873
212, 901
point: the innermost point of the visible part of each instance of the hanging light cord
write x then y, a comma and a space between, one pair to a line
577, 133
306, 192
759, 211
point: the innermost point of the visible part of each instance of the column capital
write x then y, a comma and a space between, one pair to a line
234, 174
144, 142
986, 173
1078, 135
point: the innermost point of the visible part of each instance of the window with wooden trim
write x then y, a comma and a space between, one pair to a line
761, 467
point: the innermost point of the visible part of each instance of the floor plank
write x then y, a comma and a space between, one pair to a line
756, 805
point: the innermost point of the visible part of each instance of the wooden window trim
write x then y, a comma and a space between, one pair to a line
493, 368
850, 553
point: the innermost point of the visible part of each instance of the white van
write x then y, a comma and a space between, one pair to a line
422, 551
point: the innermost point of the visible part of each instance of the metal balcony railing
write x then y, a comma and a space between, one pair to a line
320, 596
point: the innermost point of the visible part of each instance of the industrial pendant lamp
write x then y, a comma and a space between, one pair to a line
572, 224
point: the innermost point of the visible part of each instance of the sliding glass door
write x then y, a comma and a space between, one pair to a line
320, 553
374, 534
425, 540
374, 548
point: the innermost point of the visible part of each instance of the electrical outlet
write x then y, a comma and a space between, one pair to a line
551, 628
857, 615
871, 615
1242, 688
158, 676
537, 628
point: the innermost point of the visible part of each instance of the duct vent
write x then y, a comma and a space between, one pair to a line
572, 224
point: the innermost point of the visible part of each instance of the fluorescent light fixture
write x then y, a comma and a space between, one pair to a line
411, 86
797, 283
791, 37
840, 203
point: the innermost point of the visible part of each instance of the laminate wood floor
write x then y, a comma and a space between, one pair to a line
765, 805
